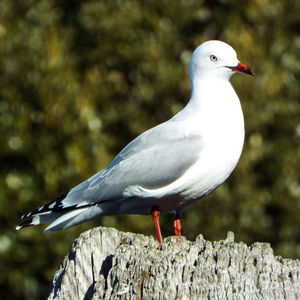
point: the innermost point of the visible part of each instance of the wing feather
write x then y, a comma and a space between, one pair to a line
153, 160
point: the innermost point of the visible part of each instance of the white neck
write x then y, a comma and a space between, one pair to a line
214, 112
209, 97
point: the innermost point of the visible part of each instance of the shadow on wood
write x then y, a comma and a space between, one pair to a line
107, 264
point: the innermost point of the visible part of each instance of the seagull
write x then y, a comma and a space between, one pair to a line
171, 165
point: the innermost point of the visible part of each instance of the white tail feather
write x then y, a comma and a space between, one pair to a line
65, 220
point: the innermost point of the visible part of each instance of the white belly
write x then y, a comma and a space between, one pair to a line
222, 148
220, 124
211, 170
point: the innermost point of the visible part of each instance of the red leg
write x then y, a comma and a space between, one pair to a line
155, 217
177, 227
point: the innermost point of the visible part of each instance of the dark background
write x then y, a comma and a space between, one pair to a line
80, 79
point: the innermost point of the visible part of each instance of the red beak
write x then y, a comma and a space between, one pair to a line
242, 68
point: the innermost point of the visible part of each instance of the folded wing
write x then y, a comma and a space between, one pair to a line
153, 160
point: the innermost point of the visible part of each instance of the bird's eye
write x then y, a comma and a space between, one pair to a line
213, 58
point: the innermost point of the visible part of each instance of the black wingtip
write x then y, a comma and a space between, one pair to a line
55, 206
25, 224
26, 215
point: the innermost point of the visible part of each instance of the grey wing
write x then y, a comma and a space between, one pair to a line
153, 160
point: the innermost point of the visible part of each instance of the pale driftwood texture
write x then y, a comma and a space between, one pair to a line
107, 264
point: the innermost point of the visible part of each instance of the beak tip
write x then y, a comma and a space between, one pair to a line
250, 72
242, 69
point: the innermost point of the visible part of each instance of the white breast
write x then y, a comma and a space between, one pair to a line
220, 123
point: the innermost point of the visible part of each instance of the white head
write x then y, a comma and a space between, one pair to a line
217, 59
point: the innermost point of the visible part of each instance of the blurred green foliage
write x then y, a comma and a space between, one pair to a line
80, 79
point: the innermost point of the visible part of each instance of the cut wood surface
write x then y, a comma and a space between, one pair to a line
107, 264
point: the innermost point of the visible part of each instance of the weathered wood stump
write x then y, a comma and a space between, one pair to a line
107, 264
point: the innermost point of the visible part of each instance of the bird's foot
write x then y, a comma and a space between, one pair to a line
155, 217
177, 227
